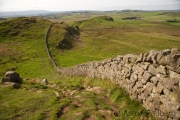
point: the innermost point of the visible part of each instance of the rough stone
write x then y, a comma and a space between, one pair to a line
173, 74
166, 91
168, 83
152, 57
140, 58
156, 102
139, 84
44, 82
145, 57
134, 77
12, 76
149, 86
154, 79
162, 69
166, 52
146, 77
14, 85
146, 93
159, 88
164, 108
152, 70
145, 66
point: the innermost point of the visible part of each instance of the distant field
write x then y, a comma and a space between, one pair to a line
104, 39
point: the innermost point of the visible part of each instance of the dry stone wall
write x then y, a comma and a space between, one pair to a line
152, 78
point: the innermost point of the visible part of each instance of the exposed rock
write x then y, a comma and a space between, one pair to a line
57, 94
14, 85
12, 76
97, 90
44, 82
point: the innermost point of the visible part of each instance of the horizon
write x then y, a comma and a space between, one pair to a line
93, 5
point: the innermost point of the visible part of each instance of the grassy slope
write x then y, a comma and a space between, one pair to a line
22, 47
25, 51
105, 39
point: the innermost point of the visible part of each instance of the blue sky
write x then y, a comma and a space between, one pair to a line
68, 5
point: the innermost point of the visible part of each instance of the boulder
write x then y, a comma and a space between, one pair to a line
12, 76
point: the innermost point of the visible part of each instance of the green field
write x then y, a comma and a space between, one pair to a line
22, 49
104, 39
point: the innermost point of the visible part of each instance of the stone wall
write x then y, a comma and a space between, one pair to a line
152, 78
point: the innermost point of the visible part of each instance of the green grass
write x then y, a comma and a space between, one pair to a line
36, 101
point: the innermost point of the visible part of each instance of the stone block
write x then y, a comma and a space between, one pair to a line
168, 83
159, 88
176, 115
146, 93
165, 109
140, 58
145, 57
134, 77
156, 102
139, 84
162, 69
145, 66
146, 77
166, 91
152, 70
152, 57
149, 87
154, 80
166, 52
173, 74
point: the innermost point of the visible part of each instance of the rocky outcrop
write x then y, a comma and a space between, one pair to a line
152, 78
12, 76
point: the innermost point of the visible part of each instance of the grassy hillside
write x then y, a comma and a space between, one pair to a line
104, 39
22, 49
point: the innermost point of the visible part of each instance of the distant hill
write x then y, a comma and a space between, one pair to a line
24, 13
